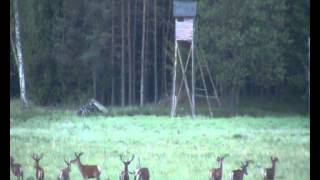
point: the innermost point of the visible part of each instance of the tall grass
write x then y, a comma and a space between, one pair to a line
173, 149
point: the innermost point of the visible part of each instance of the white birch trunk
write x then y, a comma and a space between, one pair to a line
23, 93
142, 53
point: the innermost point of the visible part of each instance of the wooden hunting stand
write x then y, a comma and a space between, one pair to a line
184, 13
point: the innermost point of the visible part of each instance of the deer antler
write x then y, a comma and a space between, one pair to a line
131, 158
34, 157
121, 158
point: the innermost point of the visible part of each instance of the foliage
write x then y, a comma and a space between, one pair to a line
254, 48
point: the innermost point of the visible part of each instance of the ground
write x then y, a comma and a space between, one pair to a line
175, 149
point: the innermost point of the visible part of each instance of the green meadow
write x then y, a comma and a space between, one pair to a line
173, 149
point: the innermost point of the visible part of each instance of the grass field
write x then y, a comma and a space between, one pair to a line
172, 149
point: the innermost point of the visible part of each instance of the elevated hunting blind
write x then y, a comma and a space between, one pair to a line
184, 13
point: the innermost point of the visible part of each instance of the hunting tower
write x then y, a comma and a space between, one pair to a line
184, 13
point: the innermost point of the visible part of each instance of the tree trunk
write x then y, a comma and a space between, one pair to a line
129, 55
308, 70
112, 56
122, 56
134, 54
94, 81
142, 53
17, 48
164, 64
155, 54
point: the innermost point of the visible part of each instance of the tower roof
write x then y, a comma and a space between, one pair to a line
184, 9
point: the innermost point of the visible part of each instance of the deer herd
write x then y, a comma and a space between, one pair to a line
141, 173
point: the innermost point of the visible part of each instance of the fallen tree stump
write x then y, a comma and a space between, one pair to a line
93, 106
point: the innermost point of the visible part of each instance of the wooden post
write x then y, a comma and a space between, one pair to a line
174, 77
192, 80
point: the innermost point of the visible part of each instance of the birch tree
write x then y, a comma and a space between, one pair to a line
17, 50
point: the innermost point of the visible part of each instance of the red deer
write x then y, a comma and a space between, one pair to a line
270, 172
124, 175
16, 169
238, 174
216, 173
39, 169
64, 173
87, 171
141, 173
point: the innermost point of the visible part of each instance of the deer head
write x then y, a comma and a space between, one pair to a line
245, 165
125, 173
274, 160
39, 170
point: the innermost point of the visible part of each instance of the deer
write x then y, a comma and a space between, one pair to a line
39, 169
16, 169
216, 173
141, 173
270, 172
87, 171
64, 173
124, 175
238, 173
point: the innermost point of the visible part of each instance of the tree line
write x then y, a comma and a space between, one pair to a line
121, 51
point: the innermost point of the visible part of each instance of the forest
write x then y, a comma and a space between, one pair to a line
121, 52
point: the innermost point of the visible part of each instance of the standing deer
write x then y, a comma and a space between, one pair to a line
238, 174
141, 173
39, 169
216, 173
270, 172
16, 169
124, 175
87, 171
64, 173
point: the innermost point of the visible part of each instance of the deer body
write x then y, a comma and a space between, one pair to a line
124, 175
39, 169
142, 174
16, 169
239, 173
64, 173
216, 173
270, 172
87, 171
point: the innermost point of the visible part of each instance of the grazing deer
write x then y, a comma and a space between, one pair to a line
16, 169
270, 172
39, 169
216, 173
87, 171
124, 175
64, 173
238, 174
141, 173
